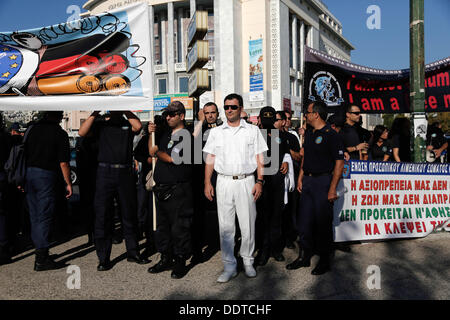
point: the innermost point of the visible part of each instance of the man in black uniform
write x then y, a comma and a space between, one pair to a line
4, 154
436, 143
321, 170
115, 177
173, 193
47, 153
290, 210
269, 237
205, 224
352, 140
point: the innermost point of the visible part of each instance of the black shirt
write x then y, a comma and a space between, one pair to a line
115, 141
280, 139
322, 148
175, 146
377, 152
5, 148
47, 146
351, 138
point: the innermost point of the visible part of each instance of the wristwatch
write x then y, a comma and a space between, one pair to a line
260, 181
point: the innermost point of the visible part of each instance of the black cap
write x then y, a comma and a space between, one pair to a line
175, 106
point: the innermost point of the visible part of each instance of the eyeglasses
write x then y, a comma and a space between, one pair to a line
172, 114
233, 107
245, 118
288, 118
355, 113
307, 112
278, 119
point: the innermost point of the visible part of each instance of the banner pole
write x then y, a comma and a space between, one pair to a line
152, 119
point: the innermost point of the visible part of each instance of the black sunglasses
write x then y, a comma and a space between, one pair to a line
233, 107
245, 118
356, 113
172, 114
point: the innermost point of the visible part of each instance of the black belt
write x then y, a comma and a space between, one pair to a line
309, 174
113, 165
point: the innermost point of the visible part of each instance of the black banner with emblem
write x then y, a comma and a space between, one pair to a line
338, 82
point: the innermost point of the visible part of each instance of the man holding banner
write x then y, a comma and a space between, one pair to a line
321, 170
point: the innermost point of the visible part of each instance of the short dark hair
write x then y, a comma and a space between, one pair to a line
211, 104
236, 96
321, 108
348, 107
282, 115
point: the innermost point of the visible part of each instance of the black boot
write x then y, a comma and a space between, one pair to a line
44, 262
164, 264
303, 260
323, 266
180, 269
262, 257
5, 257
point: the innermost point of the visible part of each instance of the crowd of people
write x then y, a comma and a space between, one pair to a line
249, 191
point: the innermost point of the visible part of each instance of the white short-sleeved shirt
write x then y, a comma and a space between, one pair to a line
235, 148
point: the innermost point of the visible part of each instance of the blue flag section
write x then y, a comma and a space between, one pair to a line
99, 62
337, 82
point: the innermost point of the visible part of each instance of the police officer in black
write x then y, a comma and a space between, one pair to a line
4, 154
173, 193
205, 224
115, 177
269, 236
321, 170
354, 142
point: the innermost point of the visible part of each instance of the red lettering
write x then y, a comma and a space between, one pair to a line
353, 185
447, 100
402, 227
394, 104
410, 226
396, 230
418, 227
387, 228
368, 229
375, 229
354, 200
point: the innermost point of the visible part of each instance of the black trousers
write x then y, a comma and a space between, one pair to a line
174, 221
315, 215
112, 182
3, 217
269, 220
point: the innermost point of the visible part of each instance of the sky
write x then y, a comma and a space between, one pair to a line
384, 48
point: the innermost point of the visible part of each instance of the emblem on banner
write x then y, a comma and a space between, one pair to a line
324, 86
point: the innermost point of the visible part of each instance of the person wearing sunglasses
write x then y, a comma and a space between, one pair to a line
235, 151
352, 141
173, 193
321, 170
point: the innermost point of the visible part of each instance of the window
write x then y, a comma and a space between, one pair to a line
183, 84
162, 86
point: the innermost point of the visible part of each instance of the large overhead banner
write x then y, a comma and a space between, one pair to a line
386, 200
338, 82
96, 63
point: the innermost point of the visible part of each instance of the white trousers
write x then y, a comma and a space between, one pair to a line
235, 197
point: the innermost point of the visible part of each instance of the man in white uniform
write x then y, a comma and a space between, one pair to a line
235, 151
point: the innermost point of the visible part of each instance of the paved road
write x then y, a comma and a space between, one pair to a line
409, 269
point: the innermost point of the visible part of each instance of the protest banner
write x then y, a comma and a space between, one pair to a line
386, 200
337, 82
96, 63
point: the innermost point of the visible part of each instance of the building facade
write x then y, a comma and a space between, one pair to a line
276, 30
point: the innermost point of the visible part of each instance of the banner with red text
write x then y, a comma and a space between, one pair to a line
337, 82
386, 200
96, 63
